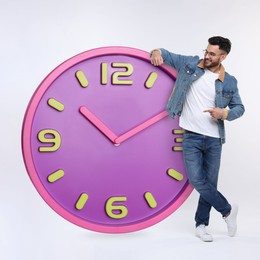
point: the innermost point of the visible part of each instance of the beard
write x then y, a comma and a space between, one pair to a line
208, 63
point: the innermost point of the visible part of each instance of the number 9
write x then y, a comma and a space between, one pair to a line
55, 139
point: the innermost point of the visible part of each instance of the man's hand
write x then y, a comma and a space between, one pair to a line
156, 57
217, 113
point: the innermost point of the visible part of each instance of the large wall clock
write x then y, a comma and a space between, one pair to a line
98, 144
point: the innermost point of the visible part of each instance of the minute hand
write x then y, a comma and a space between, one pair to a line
140, 127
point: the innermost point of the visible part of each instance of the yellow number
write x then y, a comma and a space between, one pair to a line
115, 76
129, 71
49, 136
103, 73
116, 211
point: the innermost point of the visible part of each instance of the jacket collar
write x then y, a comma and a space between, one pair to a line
221, 70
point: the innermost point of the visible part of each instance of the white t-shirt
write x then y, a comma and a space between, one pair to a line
200, 96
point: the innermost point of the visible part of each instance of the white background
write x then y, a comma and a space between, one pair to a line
36, 36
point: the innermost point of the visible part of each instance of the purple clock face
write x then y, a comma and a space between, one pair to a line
99, 146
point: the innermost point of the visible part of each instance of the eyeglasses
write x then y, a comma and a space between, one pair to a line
211, 54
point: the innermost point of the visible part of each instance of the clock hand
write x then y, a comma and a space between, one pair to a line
98, 123
140, 127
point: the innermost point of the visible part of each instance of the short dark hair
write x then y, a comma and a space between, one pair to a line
223, 43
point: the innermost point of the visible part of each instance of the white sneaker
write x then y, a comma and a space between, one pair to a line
231, 220
201, 232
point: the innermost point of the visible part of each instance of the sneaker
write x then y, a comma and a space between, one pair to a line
201, 232
231, 220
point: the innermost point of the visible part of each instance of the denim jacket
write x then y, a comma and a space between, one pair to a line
190, 68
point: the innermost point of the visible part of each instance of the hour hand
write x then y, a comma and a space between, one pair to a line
98, 123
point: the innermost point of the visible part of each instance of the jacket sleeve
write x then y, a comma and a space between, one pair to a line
174, 60
236, 107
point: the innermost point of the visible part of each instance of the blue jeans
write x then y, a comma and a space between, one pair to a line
202, 156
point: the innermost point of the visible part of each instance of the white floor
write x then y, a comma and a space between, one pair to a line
29, 229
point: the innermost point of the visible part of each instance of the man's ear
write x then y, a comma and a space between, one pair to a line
223, 57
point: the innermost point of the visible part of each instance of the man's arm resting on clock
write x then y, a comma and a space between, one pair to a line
156, 57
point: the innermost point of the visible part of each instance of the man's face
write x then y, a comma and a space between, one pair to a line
213, 56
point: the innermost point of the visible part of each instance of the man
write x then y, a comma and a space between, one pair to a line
202, 93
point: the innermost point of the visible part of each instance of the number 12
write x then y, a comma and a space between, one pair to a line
115, 80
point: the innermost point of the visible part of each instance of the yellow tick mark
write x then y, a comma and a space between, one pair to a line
151, 80
55, 176
82, 201
150, 200
175, 174
52, 102
82, 78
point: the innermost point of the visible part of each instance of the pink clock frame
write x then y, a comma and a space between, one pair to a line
27, 152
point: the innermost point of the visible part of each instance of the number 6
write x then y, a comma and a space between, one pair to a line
120, 209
